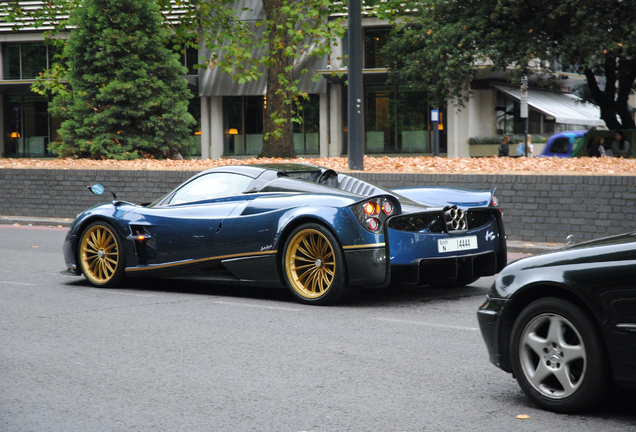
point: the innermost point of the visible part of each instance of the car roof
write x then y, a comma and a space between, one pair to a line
568, 134
256, 170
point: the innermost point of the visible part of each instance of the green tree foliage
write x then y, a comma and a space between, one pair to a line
440, 48
292, 29
126, 96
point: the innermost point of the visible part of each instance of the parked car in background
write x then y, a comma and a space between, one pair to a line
564, 144
578, 143
564, 323
319, 233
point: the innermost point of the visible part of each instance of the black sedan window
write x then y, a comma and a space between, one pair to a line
211, 186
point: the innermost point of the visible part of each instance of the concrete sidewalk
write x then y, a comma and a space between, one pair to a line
514, 246
35, 221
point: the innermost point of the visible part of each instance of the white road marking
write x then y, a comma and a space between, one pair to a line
19, 283
420, 323
124, 293
256, 306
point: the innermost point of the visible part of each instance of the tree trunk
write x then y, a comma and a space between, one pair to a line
626, 78
604, 98
278, 127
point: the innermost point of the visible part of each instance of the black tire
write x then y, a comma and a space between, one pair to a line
314, 266
558, 356
100, 254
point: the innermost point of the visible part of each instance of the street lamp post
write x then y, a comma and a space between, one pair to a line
355, 138
524, 110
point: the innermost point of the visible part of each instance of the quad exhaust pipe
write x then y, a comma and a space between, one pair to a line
455, 218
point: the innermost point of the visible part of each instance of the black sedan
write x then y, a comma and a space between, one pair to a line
564, 323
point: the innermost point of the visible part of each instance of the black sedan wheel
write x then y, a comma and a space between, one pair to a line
558, 356
313, 265
101, 255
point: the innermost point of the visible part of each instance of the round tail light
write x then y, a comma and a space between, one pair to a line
371, 208
387, 208
373, 224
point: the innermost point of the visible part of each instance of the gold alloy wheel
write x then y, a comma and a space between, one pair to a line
99, 254
310, 264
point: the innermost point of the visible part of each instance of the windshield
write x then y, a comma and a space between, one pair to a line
208, 186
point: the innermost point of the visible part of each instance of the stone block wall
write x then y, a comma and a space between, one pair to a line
63, 193
537, 208
544, 208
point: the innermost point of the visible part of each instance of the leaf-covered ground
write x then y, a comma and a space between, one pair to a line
487, 165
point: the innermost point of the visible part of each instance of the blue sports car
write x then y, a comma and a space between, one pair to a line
319, 233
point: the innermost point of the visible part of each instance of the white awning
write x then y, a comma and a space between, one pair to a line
565, 108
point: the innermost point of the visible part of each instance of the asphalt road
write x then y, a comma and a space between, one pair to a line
176, 356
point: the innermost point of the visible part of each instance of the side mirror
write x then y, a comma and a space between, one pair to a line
99, 189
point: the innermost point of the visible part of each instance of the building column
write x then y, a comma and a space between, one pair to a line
324, 125
205, 127
335, 120
458, 130
216, 127
2, 133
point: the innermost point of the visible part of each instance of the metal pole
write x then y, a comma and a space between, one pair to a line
523, 107
525, 138
355, 112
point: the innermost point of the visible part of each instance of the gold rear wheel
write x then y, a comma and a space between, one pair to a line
313, 265
100, 255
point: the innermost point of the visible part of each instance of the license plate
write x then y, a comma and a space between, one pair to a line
457, 244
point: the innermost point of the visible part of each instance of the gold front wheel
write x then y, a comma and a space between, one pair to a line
100, 255
313, 265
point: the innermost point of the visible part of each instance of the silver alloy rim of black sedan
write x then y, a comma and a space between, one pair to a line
553, 356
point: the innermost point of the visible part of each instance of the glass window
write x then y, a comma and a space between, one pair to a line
509, 120
345, 49
374, 41
233, 126
396, 121
11, 60
34, 59
24, 60
253, 112
188, 56
560, 145
35, 125
307, 133
28, 127
380, 119
13, 138
412, 117
244, 124
209, 186
194, 108
191, 60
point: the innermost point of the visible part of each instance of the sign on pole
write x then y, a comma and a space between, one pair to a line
435, 126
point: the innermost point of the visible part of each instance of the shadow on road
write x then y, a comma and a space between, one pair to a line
393, 295
618, 406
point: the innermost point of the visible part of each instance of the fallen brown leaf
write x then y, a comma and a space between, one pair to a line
421, 164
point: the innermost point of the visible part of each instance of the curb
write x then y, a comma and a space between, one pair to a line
531, 248
35, 221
